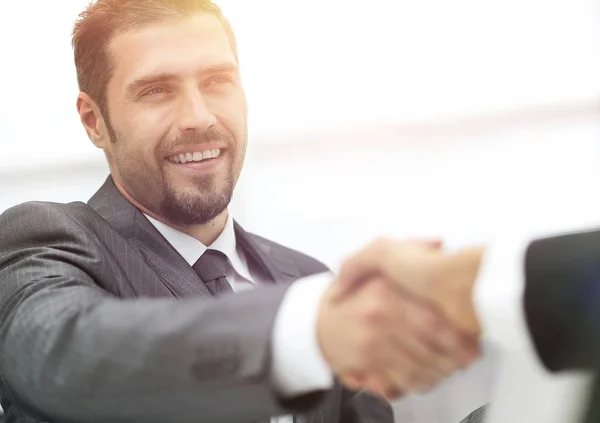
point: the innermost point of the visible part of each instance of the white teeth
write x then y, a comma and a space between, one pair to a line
196, 156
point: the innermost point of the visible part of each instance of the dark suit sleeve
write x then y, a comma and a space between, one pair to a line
362, 407
477, 416
562, 300
71, 352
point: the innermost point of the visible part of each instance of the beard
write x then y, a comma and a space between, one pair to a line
190, 208
203, 202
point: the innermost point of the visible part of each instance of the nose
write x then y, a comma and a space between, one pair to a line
194, 114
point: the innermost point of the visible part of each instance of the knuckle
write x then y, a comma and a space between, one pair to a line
348, 264
430, 321
374, 305
380, 293
374, 312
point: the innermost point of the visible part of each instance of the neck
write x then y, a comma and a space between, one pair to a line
206, 234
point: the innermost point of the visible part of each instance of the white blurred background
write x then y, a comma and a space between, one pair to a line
464, 119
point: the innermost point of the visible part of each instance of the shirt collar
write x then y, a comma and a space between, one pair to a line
191, 249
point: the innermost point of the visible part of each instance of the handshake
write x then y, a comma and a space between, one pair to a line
400, 317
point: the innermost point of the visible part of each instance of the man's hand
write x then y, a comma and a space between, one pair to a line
400, 318
389, 342
445, 281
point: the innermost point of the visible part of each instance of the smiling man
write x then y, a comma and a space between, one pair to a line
119, 309
175, 132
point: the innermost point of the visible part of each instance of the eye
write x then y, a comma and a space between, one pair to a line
153, 91
219, 80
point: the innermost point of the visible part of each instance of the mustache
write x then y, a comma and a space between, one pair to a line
194, 138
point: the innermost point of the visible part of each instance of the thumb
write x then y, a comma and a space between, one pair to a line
436, 244
369, 262
348, 281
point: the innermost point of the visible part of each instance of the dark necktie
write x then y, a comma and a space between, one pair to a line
212, 267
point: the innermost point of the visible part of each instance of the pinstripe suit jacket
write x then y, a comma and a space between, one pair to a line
477, 416
101, 320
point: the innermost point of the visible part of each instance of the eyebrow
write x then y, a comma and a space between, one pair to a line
164, 77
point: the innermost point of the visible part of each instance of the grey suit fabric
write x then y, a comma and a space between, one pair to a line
477, 416
101, 320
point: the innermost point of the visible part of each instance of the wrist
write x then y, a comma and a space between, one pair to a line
457, 283
322, 325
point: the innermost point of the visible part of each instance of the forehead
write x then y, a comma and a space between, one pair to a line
174, 47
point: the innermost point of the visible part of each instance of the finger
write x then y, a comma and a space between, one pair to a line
381, 388
426, 332
414, 327
393, 394
434, 364
401, 368
431, 338
378, 386
372, 383
435, 244
470, 350
356, 270
459, 348
383, 258
421, 369
401, 337
387, 368
406, 373
353, 380
455, 349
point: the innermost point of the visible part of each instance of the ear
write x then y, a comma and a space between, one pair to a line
92, 120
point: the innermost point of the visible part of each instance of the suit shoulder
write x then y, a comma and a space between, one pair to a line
41, 216
303, 260
41, 209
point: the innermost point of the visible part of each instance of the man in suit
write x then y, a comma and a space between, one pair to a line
120, 309
545, 290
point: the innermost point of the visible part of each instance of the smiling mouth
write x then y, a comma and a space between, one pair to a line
196, 156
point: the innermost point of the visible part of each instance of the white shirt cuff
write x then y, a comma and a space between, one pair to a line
298, 365
498, 296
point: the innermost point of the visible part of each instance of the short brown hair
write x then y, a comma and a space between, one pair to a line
104, 19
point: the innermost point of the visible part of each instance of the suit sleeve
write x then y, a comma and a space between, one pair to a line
562, 300
362, 407
71, 352
542, 298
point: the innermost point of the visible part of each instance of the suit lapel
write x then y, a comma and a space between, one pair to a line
276, 267
175, 273
173, 270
